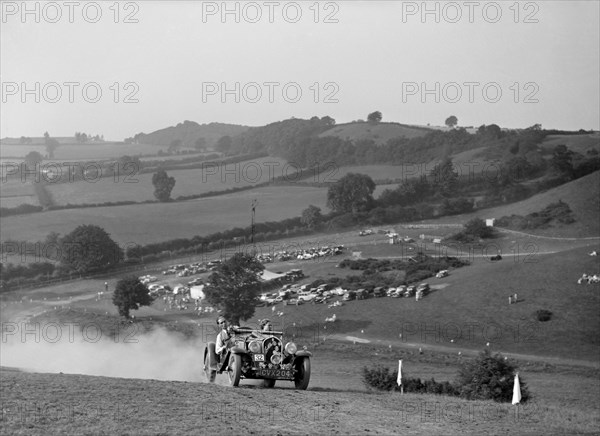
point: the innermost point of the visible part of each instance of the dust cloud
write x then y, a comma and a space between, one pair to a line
160, 354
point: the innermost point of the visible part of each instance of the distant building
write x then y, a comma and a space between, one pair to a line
490, 222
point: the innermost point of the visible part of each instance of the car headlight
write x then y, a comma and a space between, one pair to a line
255, 347
290, 348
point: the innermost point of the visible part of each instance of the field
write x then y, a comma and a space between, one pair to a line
155, 222
14, 193
379, 132
576, 143
76, 152
138, 187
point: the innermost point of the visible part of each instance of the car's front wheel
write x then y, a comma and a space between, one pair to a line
303, 374
235, 369
210, 372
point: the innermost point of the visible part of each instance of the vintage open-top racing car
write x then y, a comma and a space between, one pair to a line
259, 355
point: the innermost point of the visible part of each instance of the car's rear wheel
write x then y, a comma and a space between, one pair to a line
303, 374
269, 382
210, 372
235, 369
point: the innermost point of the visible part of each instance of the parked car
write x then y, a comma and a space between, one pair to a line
307, 297
378, 292
349, 296
362, 294
442, 273
259, 355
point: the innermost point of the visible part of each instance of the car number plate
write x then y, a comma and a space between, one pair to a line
287, 373
259, 357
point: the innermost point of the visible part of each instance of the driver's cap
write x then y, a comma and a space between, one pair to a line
264, 322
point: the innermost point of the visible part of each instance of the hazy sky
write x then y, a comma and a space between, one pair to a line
176, 60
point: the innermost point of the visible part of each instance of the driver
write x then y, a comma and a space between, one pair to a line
266, 326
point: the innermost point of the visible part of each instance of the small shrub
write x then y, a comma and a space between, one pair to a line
489, 377
379, 377
382, 379
543, 315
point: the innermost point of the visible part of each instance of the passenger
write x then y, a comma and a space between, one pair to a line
223, 338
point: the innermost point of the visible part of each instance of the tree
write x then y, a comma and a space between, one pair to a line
175, 145
224, 144
493, 131
234, 286
352, 193
51, 145
131, 294
163, 185
477, 227
451, 121
374, 117
200, 144
89, 248
328, 121
445, 179
311, 216
562, 161
128, 166
489, 378
32, 158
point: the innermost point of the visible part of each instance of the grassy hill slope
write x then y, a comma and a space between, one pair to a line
576, 143
188, 132
582, 196
380, 132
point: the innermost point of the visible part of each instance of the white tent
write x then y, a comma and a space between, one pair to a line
197, 292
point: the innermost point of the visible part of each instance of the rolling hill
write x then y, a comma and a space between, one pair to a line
576, 143
188, 132
582, 196
380, 133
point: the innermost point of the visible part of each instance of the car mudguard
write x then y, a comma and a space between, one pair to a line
303, 353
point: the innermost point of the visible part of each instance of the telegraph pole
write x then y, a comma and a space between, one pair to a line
254, 204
